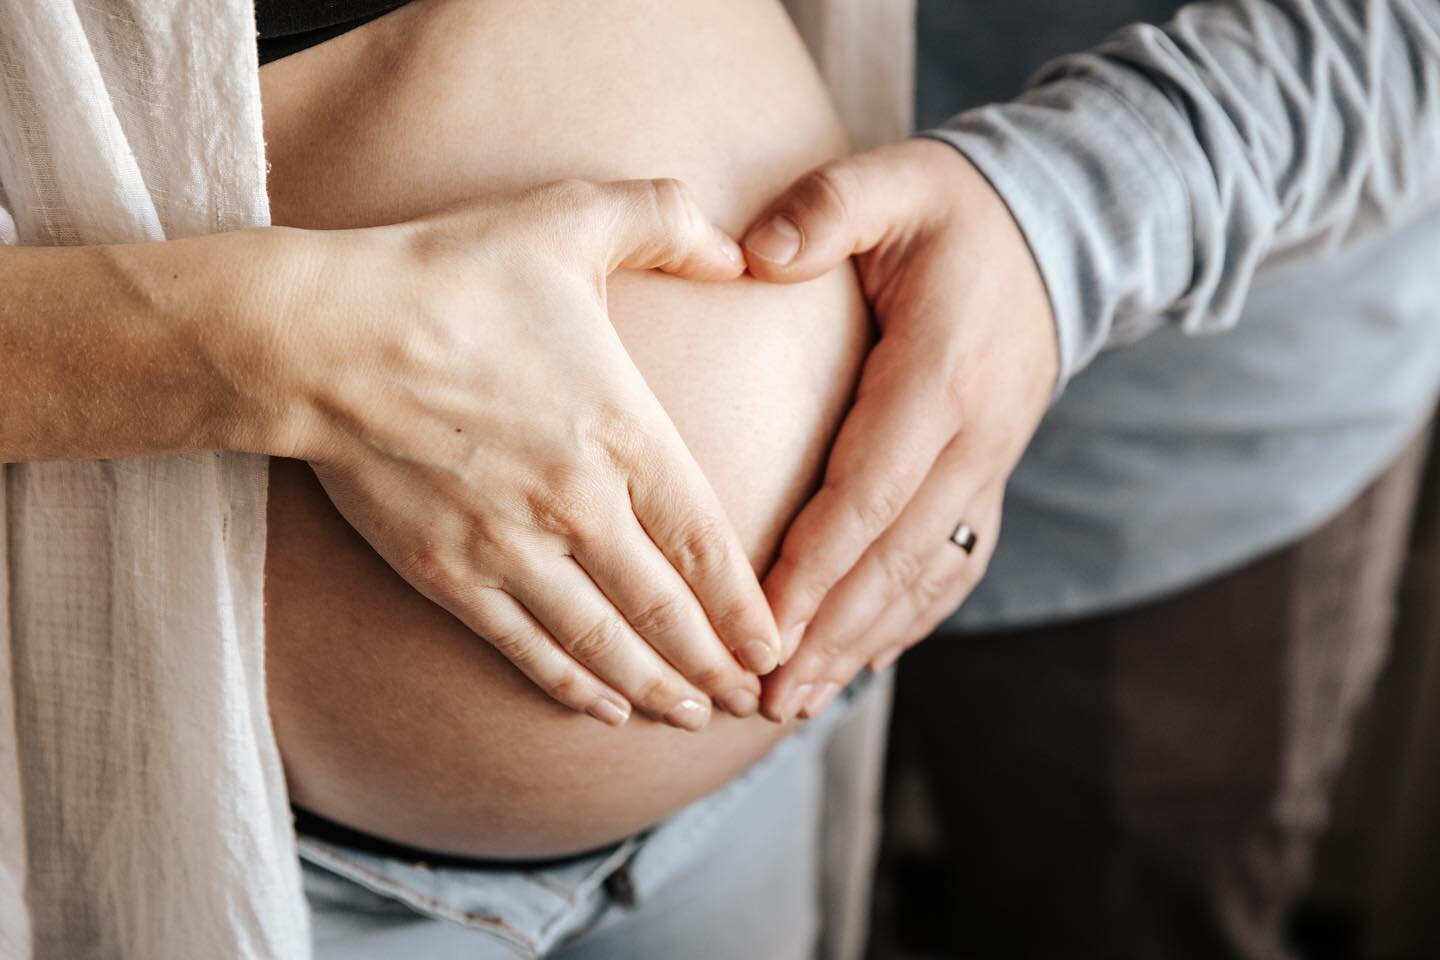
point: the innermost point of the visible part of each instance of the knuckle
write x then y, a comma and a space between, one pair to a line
831, 188
809, 590
498, 562
674, 211
700, 544
806, 582
930, 587
734, 619
429, 568
659, 617
569, 688
829, 650
517, 646
617, 436
490, 540
901, 567
876, 507
713, 677
658, 694
566, 503
842, 669
595, 641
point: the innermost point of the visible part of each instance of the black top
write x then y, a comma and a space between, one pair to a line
289, 26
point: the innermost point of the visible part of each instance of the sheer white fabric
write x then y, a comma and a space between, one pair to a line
142, 808
866, 51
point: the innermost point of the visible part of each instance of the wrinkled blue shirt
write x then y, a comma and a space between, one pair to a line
1236, 211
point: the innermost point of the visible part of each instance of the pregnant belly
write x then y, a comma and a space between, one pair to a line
391, 717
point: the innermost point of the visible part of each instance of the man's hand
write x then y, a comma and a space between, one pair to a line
949, 398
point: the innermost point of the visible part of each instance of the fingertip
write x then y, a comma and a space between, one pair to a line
759, 656
690, 714
774, 243
731, 256
792, 706
769, 712
718, 258
740, 703
784, 696
819, 699
767, 272
787, 600
772, 701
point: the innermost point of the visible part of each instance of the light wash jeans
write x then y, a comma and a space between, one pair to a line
775, 865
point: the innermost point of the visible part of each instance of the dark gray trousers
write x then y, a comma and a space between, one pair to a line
1151, 783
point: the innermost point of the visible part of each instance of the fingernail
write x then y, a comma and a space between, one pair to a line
609, 712
758, 656
790, 642
885, 661
688, 715
790, 707
777, 241
732, 251
740, 703
819, 700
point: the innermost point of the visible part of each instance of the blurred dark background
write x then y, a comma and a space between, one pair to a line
1376, 894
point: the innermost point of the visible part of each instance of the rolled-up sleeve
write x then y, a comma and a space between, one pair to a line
1153, 175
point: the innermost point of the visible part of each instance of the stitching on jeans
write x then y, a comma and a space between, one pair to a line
550, 886
379, 883
622, 855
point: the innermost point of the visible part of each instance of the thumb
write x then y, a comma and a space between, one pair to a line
851, 206
831, 213
657, 225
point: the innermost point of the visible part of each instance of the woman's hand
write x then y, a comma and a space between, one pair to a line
472, 412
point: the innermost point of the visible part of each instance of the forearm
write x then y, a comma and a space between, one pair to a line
1153, 175
133, 349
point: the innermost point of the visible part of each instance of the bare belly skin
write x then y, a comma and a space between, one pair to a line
391, 716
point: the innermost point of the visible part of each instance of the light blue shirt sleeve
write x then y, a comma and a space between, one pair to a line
1154, 174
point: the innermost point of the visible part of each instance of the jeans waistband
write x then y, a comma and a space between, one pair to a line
313, 825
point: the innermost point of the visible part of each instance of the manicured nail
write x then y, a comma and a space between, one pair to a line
688, 715
794, 700
732, 250
886, 660
740, 703
819, 700
790, 641
758, 656
609, 712
777, 241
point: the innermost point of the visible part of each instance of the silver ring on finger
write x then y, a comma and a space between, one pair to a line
964, 537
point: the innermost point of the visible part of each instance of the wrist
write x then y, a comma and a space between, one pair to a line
309, 309
255, 289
